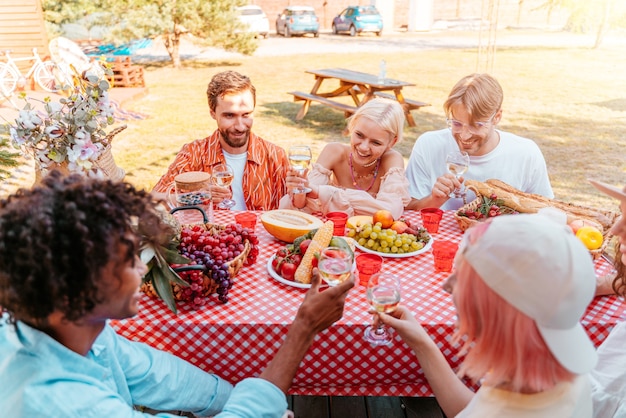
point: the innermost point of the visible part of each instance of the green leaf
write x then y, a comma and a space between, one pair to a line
163, 288
173, 256
175, 278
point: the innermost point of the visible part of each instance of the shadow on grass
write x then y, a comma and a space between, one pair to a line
618, 105
572, 159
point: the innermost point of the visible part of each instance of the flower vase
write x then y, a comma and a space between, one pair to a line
104, 162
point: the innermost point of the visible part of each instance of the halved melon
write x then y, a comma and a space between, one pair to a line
287, 225
355, 222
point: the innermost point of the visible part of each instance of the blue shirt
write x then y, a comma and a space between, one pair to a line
41, 377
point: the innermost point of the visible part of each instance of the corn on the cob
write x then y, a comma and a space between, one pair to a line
320, 240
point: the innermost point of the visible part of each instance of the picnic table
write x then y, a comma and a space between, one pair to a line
238, 339
361, 87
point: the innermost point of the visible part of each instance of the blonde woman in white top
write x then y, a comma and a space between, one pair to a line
363, 176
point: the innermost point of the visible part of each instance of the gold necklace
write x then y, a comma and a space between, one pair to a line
354, 179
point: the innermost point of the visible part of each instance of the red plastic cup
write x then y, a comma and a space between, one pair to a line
339, 220
443, 253
246, 219
431, 218
366, 265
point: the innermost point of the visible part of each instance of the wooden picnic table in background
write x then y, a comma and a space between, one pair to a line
362, 87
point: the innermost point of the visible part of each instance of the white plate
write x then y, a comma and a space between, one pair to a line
394, 255
292, 283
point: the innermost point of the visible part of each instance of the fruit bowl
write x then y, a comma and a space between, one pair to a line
199, 260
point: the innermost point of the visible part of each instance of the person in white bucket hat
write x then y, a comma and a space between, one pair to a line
608, 379
521, 284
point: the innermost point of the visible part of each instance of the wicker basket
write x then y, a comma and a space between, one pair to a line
209, 285
465, 222
104, 162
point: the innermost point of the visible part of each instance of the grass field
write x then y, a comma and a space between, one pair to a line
571, 101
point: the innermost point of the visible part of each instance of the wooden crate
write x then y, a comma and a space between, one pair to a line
125, 74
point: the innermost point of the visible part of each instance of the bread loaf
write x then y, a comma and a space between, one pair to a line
531, 203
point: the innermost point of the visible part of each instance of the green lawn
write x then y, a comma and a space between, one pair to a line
571, 101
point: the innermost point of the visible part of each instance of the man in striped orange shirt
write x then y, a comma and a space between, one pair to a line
260, 167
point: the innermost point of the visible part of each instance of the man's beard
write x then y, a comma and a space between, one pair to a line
235, 143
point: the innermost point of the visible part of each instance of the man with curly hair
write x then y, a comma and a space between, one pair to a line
69, 263
260, 167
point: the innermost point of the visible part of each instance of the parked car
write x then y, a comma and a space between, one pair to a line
255, 19
357, 19
297, 20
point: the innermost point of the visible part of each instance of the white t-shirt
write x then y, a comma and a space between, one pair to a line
608, 379
517, 161
565, 400
238, 164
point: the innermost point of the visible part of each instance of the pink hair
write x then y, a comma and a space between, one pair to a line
503, 345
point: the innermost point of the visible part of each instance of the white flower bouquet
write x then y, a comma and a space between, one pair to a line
69, 132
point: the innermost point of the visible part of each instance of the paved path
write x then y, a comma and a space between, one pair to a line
390, 42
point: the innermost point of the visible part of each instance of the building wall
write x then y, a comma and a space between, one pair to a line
22, 28
442, 10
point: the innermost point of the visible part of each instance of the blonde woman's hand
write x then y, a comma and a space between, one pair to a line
294, 180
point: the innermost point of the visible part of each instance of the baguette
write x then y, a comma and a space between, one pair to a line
531, 203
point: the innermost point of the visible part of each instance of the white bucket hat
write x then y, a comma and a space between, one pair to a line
543, 270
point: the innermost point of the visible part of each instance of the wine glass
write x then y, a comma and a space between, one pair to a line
383, 294
335, 265
457, 163
223, 176
299, 159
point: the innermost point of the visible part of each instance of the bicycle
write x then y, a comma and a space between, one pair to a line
46, 73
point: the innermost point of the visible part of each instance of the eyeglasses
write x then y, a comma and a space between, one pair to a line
475, 128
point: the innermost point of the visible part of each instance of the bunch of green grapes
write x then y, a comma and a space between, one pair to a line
374, 237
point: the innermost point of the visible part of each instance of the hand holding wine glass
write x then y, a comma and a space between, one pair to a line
299, 159
457, 163
222, 175
383, 294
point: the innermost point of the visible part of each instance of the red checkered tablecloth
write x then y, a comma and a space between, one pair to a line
238, 339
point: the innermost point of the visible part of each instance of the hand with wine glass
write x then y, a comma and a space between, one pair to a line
457, 163
222, 175
383, 294
300, 159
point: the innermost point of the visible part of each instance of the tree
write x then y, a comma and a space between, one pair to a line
209, 23
587, 16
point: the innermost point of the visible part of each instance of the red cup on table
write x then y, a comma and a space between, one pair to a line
443, 254
246, 219
431, 217
339, 220
367, 265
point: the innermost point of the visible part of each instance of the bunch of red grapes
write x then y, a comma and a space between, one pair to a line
213, 249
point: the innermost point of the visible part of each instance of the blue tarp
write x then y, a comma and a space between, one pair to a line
124, 49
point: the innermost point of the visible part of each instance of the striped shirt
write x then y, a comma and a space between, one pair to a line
263, 177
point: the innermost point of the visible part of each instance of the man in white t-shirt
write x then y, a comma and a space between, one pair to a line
473, 110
